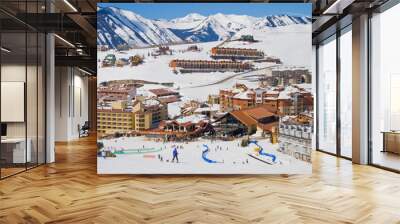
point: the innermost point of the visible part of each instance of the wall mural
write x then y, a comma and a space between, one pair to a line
204, 88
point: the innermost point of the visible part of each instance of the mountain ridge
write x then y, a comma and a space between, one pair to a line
123, 27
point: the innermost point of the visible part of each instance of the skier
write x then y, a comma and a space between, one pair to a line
175, 155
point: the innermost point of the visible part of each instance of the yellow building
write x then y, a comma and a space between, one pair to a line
213, 99
143, 115
119, 105
148, 114
110, 121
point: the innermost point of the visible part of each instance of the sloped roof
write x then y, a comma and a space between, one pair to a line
259, 113
251, 115
243, 95
243, 117
162, 91
169, 99
195, 118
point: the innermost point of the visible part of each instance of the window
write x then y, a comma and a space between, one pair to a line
327, 96
346, 93
385, 89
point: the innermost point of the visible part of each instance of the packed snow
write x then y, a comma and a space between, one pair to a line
142, 156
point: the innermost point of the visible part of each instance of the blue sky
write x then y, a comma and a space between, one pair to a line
176, 10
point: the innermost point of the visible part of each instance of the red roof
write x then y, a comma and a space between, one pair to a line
250, 116
259, 113
170, 99
162, 92
243, 117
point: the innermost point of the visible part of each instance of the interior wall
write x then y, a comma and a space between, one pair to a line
15, 73
61, 103
80, 103
31, 126
71, 102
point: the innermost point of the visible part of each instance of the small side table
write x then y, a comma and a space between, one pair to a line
391, 141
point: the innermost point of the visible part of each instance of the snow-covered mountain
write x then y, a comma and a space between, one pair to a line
189, 18
117, 27
281, 20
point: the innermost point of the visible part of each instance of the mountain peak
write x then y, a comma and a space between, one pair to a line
192, 17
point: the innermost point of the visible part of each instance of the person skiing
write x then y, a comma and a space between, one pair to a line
175, 155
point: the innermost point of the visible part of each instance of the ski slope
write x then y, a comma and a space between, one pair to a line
230, 158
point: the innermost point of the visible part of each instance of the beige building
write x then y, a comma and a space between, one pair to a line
110, 121
143, 115
295, 136
119, 104
148, 114
213, 99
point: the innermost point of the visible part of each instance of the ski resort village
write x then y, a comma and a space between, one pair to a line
208, 94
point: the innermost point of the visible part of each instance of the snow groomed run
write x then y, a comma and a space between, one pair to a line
204, 155
261, 152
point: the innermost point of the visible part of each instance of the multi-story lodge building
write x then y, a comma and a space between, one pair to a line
289, 100
186, 66
110, 121
247, 121
185, 124
286, 75
119, 117
295, 136
236, 53
149, 113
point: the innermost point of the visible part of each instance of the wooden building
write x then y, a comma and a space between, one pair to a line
236, 53
185, 66
247, 121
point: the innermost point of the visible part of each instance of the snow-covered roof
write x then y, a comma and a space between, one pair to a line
243, 95
195, 118
306, 86
285, 94
151, 102
213, 107
273, 92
